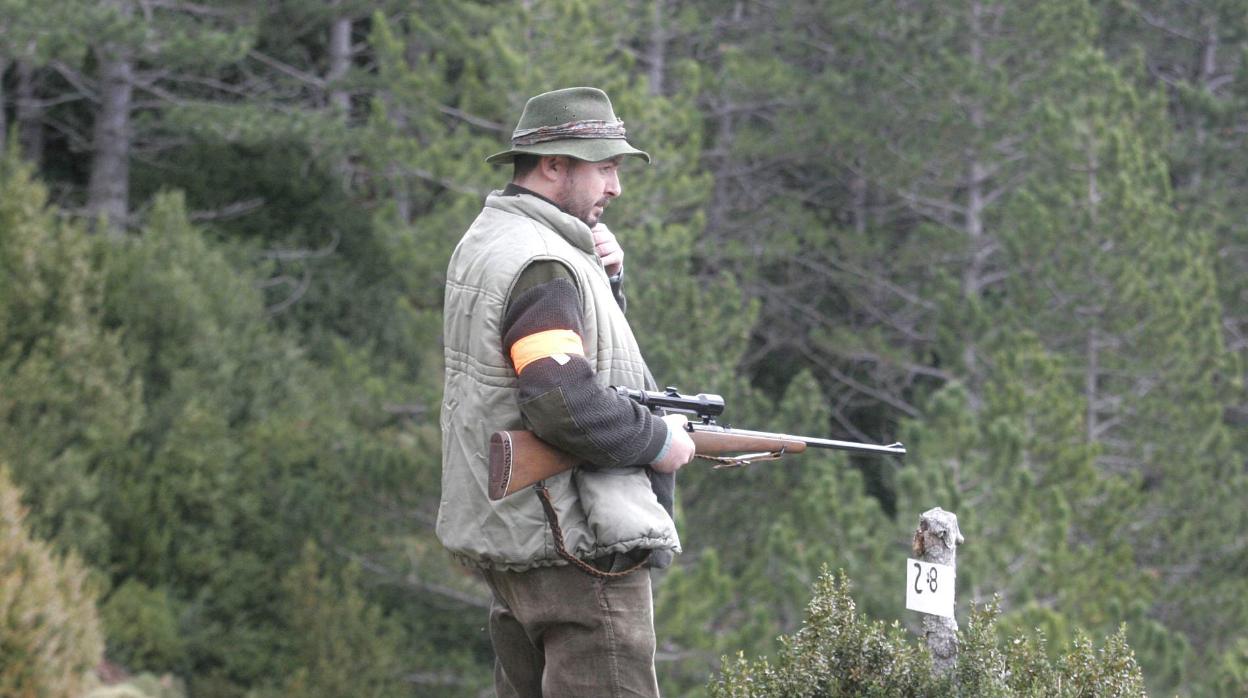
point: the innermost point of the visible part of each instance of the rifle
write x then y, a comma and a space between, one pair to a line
519, 458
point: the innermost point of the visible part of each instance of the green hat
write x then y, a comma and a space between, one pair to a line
577, 122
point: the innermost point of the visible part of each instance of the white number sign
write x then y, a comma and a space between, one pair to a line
929, 588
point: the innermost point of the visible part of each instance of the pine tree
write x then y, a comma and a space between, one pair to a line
69, 403
1195, 55
231, 468
34, 35
49, 634
1040, 520
344, 646
1134, 304
946, 131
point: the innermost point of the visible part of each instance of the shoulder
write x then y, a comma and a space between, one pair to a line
547, 278
542, 271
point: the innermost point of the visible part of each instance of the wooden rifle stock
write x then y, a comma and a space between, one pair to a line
519, 459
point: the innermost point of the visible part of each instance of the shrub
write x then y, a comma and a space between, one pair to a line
49, 633
839, 653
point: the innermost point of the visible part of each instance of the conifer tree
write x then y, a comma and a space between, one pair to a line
1041, 521
1195, 55
69, 402
937, 122
344, 645
142, 60
1131, 299
49, 634
232, 466
33, 37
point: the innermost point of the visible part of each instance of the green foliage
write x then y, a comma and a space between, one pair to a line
343, 645
1147, 351
38, 31
1038, 526
835, 653
174, 36
839, 652
167, 412
69, 403
1231, 678
757, 538
1010, 234
49, 634
142, 627
230, 466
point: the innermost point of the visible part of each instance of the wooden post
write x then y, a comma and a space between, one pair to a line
936, 541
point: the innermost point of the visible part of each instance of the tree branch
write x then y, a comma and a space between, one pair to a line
227, 212
472, 118
289, 70
75, 78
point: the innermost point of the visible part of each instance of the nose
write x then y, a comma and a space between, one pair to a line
613, 186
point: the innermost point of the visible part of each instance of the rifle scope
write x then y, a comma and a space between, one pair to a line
704, 405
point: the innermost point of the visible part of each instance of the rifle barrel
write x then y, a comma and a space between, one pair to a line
895, 449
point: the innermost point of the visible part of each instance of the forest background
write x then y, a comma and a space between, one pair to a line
1012, 235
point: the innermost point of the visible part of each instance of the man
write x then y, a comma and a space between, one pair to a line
534, 337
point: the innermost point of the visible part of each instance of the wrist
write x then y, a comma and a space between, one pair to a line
667, 444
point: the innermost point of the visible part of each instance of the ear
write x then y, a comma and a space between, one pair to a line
552, 167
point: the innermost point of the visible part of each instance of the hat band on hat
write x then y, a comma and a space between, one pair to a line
589, 128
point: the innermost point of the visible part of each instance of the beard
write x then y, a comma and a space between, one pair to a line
580, 204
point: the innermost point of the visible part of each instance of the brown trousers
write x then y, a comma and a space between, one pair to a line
560, 633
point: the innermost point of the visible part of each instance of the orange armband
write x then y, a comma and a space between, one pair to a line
540, 345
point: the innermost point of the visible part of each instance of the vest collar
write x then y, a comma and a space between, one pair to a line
543, 211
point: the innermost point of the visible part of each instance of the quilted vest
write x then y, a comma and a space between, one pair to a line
601, 511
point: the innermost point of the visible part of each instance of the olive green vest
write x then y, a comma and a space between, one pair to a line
600, 511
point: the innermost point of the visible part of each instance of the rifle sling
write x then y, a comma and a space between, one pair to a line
557, 533
742, 460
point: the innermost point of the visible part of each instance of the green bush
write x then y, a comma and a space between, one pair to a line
343, 646
837, 652
142, 627
49, 634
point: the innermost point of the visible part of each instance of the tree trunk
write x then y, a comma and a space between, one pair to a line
339, 64
656, 56
4, 127
976, 174
858, 187
29, 114
109, 188
1091, 379
338, 98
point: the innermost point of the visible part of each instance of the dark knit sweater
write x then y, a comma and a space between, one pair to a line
560, 398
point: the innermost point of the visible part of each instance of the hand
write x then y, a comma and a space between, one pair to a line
680, 450
608, 249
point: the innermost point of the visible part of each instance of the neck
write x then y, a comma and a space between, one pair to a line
513, 189
542, 187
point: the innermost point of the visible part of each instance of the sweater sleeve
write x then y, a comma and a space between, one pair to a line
559, 398
617, 290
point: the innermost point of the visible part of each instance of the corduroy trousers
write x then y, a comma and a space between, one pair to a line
560, 633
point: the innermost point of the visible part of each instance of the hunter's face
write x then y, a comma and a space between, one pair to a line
588, 187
